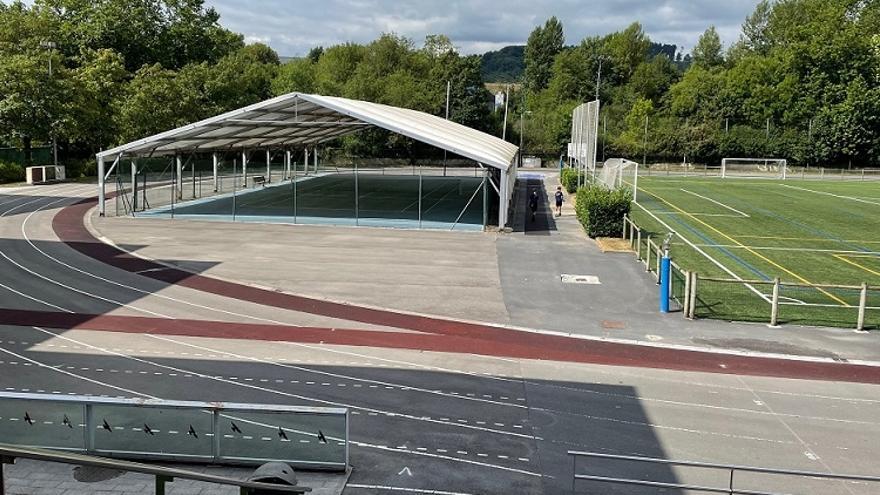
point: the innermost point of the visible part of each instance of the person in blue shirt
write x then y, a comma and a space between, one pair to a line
559, 199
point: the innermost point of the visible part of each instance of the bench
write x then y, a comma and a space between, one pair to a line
259, 179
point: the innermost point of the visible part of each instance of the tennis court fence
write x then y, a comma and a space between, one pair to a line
771, 301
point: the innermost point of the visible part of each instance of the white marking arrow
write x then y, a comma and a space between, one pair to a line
405, 470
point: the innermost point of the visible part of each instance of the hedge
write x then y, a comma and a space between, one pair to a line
11, 172
601, 210
569, 179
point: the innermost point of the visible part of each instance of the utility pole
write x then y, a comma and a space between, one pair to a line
51, 45
604, 134
598, 78
768, 128
506, 97
645, 144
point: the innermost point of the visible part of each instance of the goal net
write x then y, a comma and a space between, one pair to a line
753, 167
619, 173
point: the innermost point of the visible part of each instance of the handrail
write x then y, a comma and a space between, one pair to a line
709, 465
163, 474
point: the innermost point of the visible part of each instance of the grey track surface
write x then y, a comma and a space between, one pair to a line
457, 422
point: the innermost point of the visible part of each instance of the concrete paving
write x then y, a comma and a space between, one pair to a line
508, 279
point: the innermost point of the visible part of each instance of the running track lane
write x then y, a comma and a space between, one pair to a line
438, 334
521, 345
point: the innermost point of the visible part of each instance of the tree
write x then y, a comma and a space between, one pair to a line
707, 52
296, 75
626, 50
543, 45
754, 30
157, 100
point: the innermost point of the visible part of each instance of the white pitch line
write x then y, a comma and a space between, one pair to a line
778, 248
851, 198
703, 253
712, 215
719, 203
387, 488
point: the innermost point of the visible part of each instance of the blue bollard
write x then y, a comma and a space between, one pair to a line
664, 284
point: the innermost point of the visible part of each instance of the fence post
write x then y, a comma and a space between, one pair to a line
632, 231
692, 304
863, 303
648, 255
639, 244
624, 226
658, 264
774, 305
687, 294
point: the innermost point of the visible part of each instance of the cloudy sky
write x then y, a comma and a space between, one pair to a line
292, 27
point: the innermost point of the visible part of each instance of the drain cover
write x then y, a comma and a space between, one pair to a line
91, 474
580, 279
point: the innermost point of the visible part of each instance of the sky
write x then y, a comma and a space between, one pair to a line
293, 27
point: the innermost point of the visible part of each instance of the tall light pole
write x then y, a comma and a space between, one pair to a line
448, 90
49, 46
598, 78
521, 115
506, 98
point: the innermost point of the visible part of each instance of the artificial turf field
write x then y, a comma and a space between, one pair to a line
382, 200
802, 231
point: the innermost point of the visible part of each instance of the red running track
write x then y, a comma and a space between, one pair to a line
437, 334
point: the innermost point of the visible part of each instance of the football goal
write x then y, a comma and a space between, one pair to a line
753, 167
618, 173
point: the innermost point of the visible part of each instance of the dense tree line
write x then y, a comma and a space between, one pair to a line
802, 83
125, 69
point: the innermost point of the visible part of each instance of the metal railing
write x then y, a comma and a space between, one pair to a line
730, 487
850, 302
163, 475
180, 431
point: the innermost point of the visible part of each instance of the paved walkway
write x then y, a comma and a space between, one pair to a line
509, 279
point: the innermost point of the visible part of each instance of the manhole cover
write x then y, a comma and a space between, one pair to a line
580, 279
91, 474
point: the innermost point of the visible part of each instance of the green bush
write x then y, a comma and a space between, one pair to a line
601, 210
11, 172
569, 179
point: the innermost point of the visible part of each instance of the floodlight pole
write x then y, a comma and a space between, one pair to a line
244, 160
101, 192
268, 165
506, 97
448, 90
178, 181
598, 78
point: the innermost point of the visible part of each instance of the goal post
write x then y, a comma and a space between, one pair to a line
619, 173
754, 167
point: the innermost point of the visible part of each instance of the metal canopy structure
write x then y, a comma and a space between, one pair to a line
297, 120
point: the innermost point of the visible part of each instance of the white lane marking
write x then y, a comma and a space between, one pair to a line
809, 453
794, 249
279, 392
386, 488
387, 385
851, 198
135, 289
68, 287
719, 203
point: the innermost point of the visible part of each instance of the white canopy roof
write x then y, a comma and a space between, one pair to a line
297, 119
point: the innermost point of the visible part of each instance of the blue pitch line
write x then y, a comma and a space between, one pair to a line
743, 263
814, 230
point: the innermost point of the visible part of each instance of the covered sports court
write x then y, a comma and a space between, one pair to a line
263, 163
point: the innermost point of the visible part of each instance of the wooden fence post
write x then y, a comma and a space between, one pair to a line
863, 303
693, 295
774, 305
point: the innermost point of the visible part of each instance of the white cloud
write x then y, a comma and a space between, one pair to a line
292, 27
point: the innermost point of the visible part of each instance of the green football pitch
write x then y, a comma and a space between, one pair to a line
804, 232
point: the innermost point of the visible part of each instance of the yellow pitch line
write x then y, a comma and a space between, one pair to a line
821, 239
853, 263
749, 249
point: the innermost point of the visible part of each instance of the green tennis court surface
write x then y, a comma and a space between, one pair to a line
804, 232
404, 201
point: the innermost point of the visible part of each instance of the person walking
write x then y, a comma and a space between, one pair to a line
559, 199
533, 203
